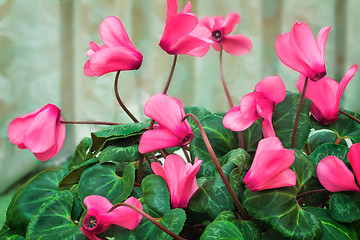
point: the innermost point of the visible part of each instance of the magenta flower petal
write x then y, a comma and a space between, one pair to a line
299, 50
235, 121
248, 105
126, 217
187, 8
273, 88
180, 178
153, 140
335, 176
40, 131
237, 44
354, 159
265, 109
270, 161
230, 22
89, 235
343, 83
99, 203
117, 54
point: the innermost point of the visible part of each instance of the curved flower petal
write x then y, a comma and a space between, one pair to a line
113, 59
265, 109
89, 234
285, 179
230, 22
354, 159
168, 112
153, 140
335, 176
187, 8
87, 70
236, 44
248, 105
273, 88
113, 33
126, 217
321, 40
235, 121
343, 83
175, 168
99, 203
172, 7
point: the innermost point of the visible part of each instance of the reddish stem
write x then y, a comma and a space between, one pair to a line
293, 138
304, 194
350, 116
170, 75
151, 219
119, 99
236, 201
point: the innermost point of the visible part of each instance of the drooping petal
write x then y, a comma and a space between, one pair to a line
273, 88
99, 203
285, 179
87, 70
335, 176
321, 40
248, 105
323, 96
153, 140
235, 121
354, 159
126, 217
168, 112
89, 234
265, 109
20, 125
113, 34
343, 83
172, 7
236, 44
230, 22
187, 8
207, 22
42, 133
266, 144
113, 59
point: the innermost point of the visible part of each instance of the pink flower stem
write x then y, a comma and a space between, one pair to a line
298, 114
186, 155
304, 194
90, 122
236, 201
241, 139
119, 99
151, 219
350, 116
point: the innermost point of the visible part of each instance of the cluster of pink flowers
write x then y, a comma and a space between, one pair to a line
43, 131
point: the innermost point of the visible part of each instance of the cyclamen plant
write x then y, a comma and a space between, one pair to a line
280, 165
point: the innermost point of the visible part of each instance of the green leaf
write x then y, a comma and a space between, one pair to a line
226, 215
102, 180
53, 220
173, 220
114, 153
321, 137
82, 153
221, 230
115, 132
329, 149
279, 208
199, 112
252, 136
73, 177
315, 199
209, 200
332, 230
156, 195
221, 139
7, 234
344, 127
345, 206
30, 197
284, 118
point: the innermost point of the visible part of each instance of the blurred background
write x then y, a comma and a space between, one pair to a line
42, 53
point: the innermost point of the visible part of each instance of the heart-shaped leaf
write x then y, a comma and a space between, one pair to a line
102, 180
7, 234
156, 195
115, 153
53, 220
30, 197
199, 112
222, 230
345, 206
82, 153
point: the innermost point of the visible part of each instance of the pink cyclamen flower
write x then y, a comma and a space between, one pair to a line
171, 131
270, 168
117, 53
180, 178
98, 220
326, 95
255, 105
220, 28
335, 176
299, 50
40, 131
182, 34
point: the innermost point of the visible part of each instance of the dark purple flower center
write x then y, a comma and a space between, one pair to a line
217, 35
319, 76
187, 139
90, 222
